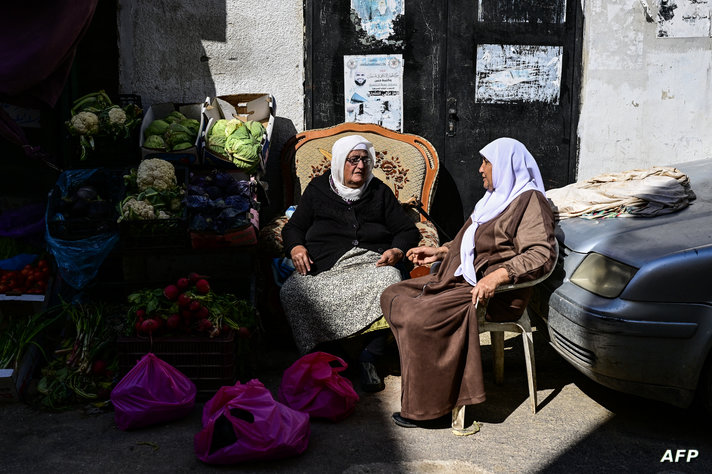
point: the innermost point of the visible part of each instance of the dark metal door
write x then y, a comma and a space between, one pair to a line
439, 42
511, 71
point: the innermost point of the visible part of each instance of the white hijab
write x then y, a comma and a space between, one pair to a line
342, 147
514, 171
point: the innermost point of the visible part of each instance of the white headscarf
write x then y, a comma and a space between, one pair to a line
514, 171
342, 147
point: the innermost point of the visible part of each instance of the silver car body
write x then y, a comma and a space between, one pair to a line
654, 338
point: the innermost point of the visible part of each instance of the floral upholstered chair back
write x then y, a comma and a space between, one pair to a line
407, 163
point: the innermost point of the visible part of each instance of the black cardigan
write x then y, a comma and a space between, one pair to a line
328, 226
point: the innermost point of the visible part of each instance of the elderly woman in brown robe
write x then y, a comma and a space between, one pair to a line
509, 238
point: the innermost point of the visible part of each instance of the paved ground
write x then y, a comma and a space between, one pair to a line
580, 427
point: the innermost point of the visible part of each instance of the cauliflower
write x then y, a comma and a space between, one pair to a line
157, 174
117, 116
132, 209
84, 123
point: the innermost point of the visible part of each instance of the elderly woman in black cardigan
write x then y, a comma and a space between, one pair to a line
344, 239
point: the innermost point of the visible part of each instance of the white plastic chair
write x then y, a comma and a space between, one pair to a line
496, 330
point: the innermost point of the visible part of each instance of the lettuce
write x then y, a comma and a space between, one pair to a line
155, 142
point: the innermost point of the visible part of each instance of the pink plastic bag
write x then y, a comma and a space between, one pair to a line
313, 385
244, 422
152, 392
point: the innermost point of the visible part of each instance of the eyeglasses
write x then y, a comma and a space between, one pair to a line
353, 160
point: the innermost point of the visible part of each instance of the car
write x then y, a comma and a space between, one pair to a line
629, 303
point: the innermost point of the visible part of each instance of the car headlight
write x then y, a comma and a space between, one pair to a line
602, 275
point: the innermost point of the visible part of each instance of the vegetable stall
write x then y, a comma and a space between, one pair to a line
152, 252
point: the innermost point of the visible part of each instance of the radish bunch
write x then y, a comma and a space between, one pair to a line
189, 306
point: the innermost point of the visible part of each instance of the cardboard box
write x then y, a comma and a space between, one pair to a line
259, 107
13, 382
187, 156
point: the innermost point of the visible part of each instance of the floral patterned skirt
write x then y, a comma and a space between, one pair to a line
336, 303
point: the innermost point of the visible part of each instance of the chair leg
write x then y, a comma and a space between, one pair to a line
458, 417
497, 338
528, 346
458, 423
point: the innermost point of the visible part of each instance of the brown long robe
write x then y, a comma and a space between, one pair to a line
433, 318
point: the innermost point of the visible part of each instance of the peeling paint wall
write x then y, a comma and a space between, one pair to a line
184, 51
645, 100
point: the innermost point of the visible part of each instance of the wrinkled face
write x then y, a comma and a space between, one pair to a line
486, 172
355, 168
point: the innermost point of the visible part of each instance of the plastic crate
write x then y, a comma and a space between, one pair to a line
209, 363
156, 234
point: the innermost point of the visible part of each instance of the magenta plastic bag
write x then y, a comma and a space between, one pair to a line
244, 422
152, 392
313, 385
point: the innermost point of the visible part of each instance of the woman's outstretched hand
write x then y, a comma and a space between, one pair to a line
423, 255
390, 257
301, 260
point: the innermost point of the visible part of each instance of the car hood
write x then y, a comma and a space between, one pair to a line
637, 240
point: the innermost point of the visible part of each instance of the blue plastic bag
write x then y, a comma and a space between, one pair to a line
78, 261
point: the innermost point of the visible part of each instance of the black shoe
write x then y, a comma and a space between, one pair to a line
444, 421
370, 381
404, 422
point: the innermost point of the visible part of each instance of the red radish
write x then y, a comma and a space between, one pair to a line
194, 306
202, 286
173, 321
149, 325
141, 313
183, 284
186, 314
202, 312
183, 300
243, 332
171, 292
194, 277
204, 325
98, 367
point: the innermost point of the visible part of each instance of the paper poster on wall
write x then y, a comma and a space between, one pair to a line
507, 73
377, 15
684, 19
373, 90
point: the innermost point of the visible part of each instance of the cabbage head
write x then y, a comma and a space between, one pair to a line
192, 125
155, 142
242, 148
218, 129
177, 133
256, 129
246, 155
241, 134
157, 127
232, 125
175, 116
216, 143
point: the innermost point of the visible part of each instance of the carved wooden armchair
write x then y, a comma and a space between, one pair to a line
407, 163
